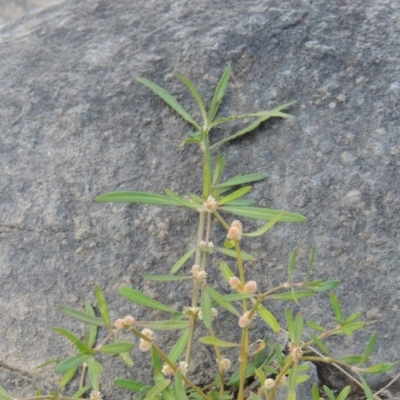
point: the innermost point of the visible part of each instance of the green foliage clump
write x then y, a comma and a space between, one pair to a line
259, 358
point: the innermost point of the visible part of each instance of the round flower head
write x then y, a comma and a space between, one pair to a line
235, 231
250, 287
95, 395
145, 345
234, 282
124, 323
269, 383
224, 364
244, 320
210, 205
167, 370
183, 367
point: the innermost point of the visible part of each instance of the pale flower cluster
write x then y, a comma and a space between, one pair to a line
235, 231
95, 395
145, 345
210, 205
168, 371
245, 320
199, 274
214, 313
224, 364
124, 323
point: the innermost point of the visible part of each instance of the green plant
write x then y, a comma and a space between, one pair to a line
258, 357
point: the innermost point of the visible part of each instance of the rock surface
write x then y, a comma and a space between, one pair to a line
74, 124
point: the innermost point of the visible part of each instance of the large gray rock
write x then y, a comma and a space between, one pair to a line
75, 124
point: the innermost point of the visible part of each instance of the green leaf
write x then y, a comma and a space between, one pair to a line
321, 345
205, 304
238, 296
91, 333
219, 93
370, 347
181, 262
161, 384
337, 310
242, 203
126, 358
301, 294
242, 179
138, 198
94, 370
232, 253
166, 325
349, 329
367, 390
80, 392
234, 379
315, 326
101, 302
206, 168
315, 393
213, 341
81, 316
140, 298
66, 378
179, 387
235, 195
220, 300
344, 393
292, 381
225, 270
351, 318
269, 318
70, 336
129, 384
329, 393
265, 115
157, 365
71, 362
266, 227
170, 100
292, 263
264, 214
166, 278
117, 348
322, 286
195, 94
218, 169
180, 199
179, 347
379, 368
4, 395
290, 324
298, 328
190, 141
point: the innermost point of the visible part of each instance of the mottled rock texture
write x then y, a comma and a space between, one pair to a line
74, 124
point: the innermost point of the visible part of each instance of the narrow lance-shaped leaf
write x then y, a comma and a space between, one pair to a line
138, 198
349, 329
290, 324
329, 393
218, 169
292, 263
321, 345
67, 377
220, 300
264, 214
179, 347
315, 326
102, 304
181, 262
370, 347
315, 393
205, 303
242, 179
117, 348
70, 336
235, 195
219, 93
226, 271
157, 365
170, 100
166, 278
298, 328
179, 387
94, 370
268, 317
232, 253
81, 316
71, 362
4, 395
129, 384
337, 310
311, 262
344, 393
367, 390
293, 378
300, 294
140, 298
195, 94
91, 334
180, 199
273, 113
80, 392
265, 228
161, 384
